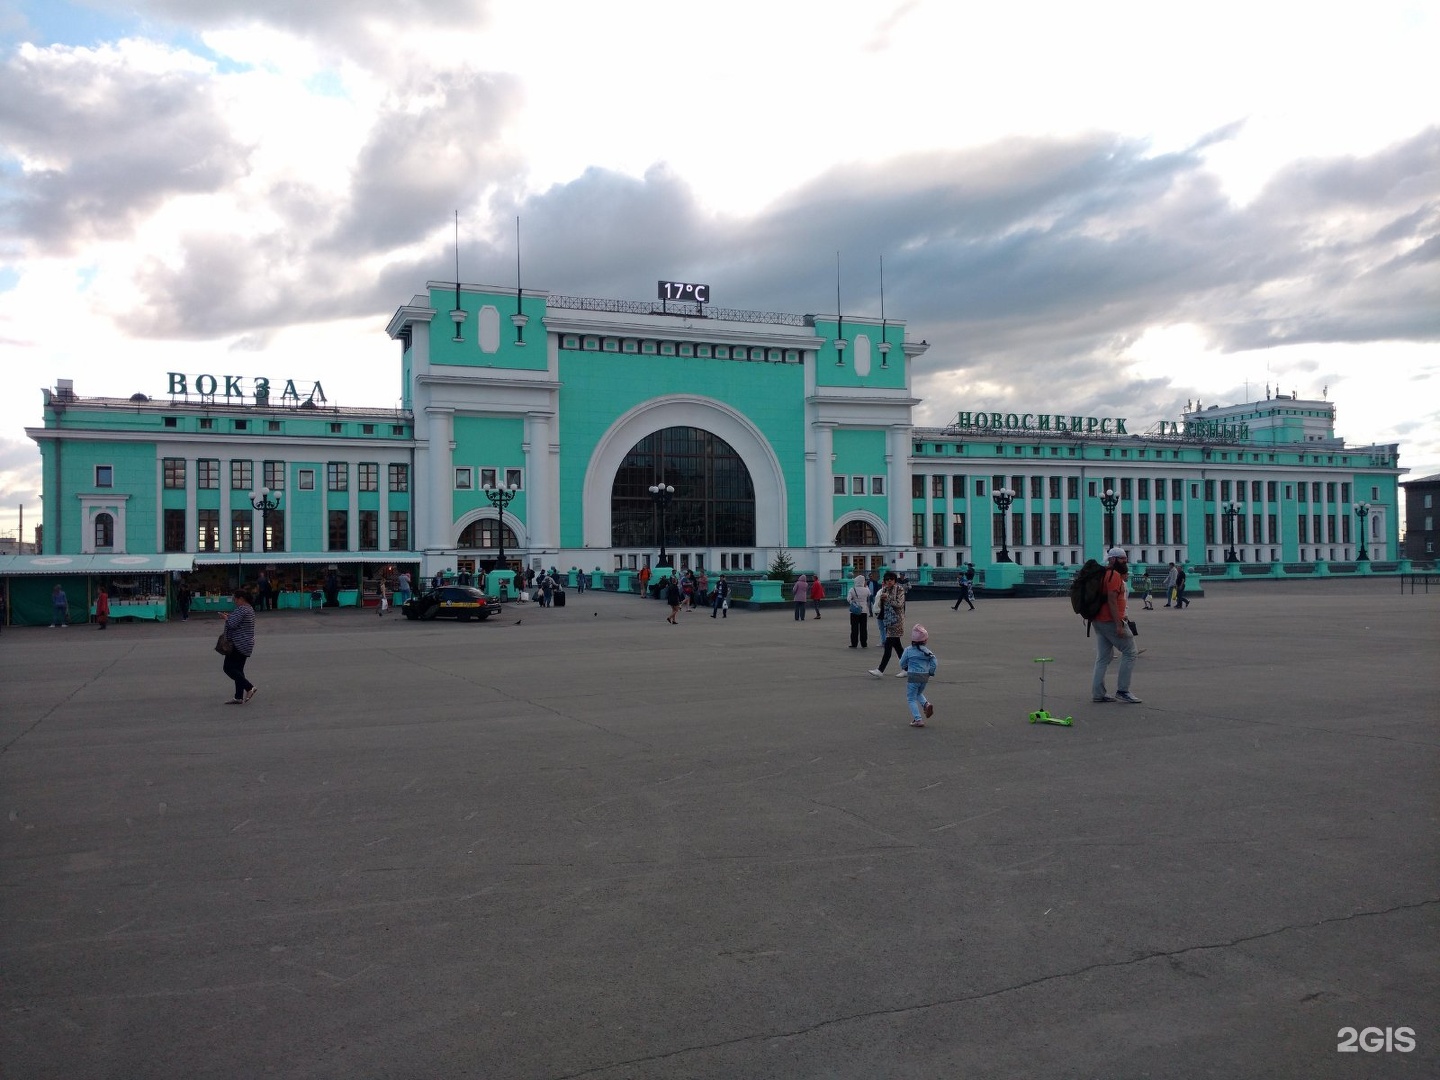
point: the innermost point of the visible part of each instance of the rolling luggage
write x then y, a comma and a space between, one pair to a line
558, 597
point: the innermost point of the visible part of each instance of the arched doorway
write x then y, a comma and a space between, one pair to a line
714, 500
852, 539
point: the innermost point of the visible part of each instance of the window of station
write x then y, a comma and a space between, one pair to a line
714, 499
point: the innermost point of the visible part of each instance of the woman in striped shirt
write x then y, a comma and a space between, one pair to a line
240, 629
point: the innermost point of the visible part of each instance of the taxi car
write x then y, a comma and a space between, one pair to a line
449, 602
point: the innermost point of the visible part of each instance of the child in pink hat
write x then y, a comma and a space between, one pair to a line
918, 663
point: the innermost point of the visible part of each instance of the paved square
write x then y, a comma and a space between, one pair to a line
583, 843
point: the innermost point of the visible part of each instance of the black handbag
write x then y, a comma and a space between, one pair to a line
223, 645
1134, 631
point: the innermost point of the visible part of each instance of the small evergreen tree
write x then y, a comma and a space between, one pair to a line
782, 567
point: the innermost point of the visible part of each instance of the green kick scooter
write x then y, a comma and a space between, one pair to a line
1040, 716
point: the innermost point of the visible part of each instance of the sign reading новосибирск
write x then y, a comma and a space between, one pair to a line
1098, 425
1101, 425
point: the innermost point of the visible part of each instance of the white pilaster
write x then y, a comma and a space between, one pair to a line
440, 435
822, 489
897, 461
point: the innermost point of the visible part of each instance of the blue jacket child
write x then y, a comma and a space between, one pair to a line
918, 663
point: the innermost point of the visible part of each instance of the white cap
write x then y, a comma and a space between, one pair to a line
1116, 553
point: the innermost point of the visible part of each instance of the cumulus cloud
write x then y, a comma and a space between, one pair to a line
97, 139
359, 31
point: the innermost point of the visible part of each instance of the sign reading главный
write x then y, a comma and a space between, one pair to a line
209, 386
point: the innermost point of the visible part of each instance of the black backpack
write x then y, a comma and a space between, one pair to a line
1087, 592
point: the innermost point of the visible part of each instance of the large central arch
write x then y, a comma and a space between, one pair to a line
686, 411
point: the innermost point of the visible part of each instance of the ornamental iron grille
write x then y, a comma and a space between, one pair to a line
714, 501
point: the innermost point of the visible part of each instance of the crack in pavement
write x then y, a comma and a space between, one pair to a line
903, 1009
67, 699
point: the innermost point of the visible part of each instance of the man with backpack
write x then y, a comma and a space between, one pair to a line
1112, 635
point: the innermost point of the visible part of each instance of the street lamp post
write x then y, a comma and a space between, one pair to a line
500, 498
1109, 500
661, 494
1231, 511
1362, 513
1003, 498
267, 502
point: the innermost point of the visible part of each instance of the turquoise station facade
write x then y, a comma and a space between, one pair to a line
777, 432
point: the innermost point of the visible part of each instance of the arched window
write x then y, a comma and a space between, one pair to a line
104, 531
857, 534
483, 534
714, 500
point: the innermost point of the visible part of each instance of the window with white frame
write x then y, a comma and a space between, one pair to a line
513, 479
104, 476
464, 478
877, 485
305, 478
857, 485
838, 487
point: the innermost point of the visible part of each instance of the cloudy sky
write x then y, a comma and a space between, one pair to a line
1104, 208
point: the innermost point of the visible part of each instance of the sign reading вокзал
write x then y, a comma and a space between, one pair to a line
208, 386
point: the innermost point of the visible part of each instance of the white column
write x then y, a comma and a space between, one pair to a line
897, 462
192, 511
822, 488
352, 511
440, 432
383, 486
540, 495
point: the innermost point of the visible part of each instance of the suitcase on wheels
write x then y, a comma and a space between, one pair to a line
559, 597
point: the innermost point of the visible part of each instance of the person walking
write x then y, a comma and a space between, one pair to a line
860, 614
967, 588
798, 593
402, 592
182, 601
644, 582
817, 593
1144, 586
1112, 635
582, 582
890, 610
1180, 600
720, 599
59, 607
1171, 576
384, 604
240, 631
918, 663
672, 597
102, 608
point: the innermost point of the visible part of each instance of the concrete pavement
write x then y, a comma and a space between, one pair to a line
583, 843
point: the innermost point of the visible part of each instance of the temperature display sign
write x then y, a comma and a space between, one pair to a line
684, 290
